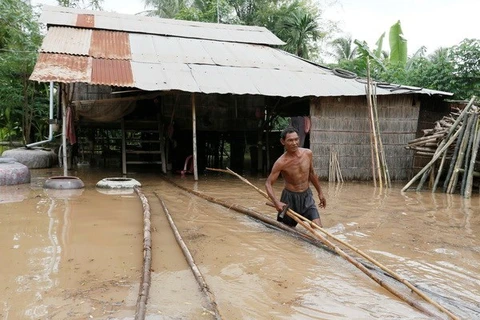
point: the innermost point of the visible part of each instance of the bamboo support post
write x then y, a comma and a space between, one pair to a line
147, 258
309, 225
191, 262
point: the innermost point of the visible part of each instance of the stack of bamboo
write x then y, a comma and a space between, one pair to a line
334, 172
456, 139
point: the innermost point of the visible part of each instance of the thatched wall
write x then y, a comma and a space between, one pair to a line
342, 123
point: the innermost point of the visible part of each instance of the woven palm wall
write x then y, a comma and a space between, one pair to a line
343, 123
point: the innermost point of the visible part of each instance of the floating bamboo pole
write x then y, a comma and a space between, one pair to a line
309, 225
191, 262
147, 258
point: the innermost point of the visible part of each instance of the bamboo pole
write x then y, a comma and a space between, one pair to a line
372, 127
471, 138
453, 161
439, 172
253, 214
309, 225
147, 258
470, 174
383, 159
191, 262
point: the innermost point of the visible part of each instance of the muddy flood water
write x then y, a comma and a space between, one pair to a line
79, 255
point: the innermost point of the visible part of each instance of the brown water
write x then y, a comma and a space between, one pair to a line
79, 255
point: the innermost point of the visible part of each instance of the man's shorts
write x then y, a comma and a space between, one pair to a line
300, 202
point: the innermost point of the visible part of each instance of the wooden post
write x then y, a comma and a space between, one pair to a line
124, 146
64, 128
194, 135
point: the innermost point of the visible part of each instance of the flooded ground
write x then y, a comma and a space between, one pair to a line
78, 255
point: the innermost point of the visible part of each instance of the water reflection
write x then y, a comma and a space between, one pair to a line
15, 193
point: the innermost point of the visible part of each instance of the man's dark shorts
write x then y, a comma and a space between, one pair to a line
300, 202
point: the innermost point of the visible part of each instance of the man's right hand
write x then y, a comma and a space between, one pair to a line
279, 206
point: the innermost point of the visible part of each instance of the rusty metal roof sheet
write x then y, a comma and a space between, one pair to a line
157, 62
63, 16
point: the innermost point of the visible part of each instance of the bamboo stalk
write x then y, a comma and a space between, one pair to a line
461, 155
476, 142
310, 225
439, 172
147, 258
384, 165
191, 262
471, 138
372, 127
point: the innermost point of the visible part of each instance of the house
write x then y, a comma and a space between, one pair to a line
180, 90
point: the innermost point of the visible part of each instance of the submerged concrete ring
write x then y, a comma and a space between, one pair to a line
34, 158
12, 172
118, 183
63, 183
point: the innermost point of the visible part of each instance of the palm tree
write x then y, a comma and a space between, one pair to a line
344, 48
300, 30
164, 8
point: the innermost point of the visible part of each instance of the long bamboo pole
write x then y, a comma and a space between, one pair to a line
451, 176
373, 126
471, 139
476, 142
191, 262
147, 258
309, 225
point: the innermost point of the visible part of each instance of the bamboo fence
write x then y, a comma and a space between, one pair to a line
453, 144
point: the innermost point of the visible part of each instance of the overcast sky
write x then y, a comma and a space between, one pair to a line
432, 23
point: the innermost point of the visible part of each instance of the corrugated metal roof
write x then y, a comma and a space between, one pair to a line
170, 27
155, 62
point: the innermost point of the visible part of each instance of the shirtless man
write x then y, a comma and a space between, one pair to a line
296, 168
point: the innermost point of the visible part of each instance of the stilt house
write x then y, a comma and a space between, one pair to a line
188, 95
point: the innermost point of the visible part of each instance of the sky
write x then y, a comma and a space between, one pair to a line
429, 23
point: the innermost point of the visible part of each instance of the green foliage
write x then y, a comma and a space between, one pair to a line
296, 22
466, 67
398, 45
81, 4
19, 102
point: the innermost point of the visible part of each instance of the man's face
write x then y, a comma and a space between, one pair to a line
291, 141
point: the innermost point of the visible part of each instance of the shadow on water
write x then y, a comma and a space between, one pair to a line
79, 255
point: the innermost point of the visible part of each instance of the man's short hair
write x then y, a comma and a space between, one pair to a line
286, 131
